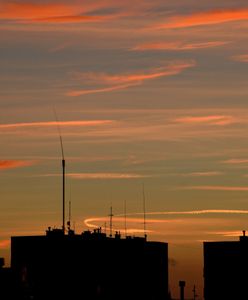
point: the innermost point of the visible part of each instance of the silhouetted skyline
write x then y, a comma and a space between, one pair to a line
146, 91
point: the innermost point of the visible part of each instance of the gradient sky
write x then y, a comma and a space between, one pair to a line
146, 91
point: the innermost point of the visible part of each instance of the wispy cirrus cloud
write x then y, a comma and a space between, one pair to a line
236, 161
196, 212
73, 12
233, 233
178, 46
101, 90
123, 81
216, 188
99, 175
211, 120
106, 175
5, 244
13, 164
205, 18
240, 58
203, 174
174, 222
55, 124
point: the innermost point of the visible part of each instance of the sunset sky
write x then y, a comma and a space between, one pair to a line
149, 92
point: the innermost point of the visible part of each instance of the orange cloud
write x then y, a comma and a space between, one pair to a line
228, 233
105, 176
35, 10
51, 12
68, 19
206, 18
234, 161
178, 46
119, 82
195, 212
5, 244
173, 220
55, 124
211, 120
217, 188
102, 90
203, 174
241, 58
13, 164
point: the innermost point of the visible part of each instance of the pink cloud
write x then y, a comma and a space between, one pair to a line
211, 120
71, 12
123, 81
4, 244
234, 161
100, 90
217, 188
195, 212
105, 176
55, 124
205, 18
240, 58
178, 46
13, 164
203, 174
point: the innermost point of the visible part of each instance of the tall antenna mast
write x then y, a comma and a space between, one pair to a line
125, 216
111, 220
63, 172
144, 209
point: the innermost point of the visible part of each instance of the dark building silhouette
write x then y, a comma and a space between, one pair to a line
89, 266
226, 270
7, 284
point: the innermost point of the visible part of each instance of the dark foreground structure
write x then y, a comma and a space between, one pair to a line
225, 270
89, 266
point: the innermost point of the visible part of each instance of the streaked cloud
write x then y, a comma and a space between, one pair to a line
72, 12
55, 124
172, 223
240, 58
195, 212
178, 46
217, 188
206, 18
236, 161
13, 164
203, 174
123, 81
101, 90
211, 120
106, 176
233, 233
5, 244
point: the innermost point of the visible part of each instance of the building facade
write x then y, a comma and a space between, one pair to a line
89, 266
226, 270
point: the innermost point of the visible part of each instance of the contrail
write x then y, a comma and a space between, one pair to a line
89, 222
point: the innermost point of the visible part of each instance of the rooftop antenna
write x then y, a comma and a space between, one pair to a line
69, 221
194, 293
69, 214
144, 209
63, 171
111, 221
125, 217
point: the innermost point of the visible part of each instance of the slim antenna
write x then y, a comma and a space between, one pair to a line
111, 221
69, 221
63, 171
194, 293
144, 209
125, 217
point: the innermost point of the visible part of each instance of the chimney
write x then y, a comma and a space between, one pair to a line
182, 286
